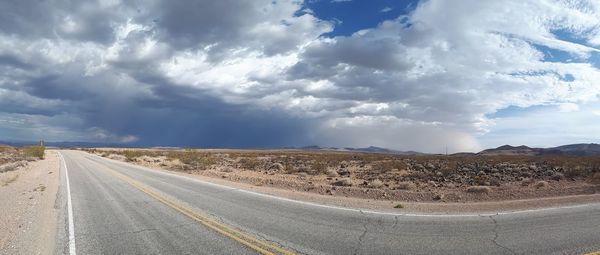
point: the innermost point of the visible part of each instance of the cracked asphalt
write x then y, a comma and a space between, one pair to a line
113, 217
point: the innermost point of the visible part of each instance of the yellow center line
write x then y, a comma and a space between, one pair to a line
593, 253
229, 231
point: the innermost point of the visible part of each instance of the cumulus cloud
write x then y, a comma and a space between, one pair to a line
261, 73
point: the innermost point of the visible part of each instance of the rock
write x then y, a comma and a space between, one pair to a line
438, 197
332, 173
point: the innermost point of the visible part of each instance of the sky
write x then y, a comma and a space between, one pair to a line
409, 75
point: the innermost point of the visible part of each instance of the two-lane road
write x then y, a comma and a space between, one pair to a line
119, 208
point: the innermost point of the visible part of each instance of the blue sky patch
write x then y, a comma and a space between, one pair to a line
352, 16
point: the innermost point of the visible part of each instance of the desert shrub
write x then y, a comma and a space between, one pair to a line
595, 178
406, 185
130, 155
319, 168
7, 168
343, 182
194, 159
479, 189
34, 151
5, 180
6, 148
250, 163
541, 184
375, 184
388, 165
278, 167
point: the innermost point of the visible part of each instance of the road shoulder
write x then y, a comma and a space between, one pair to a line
29, 212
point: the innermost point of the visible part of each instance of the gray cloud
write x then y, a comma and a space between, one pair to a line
259, 73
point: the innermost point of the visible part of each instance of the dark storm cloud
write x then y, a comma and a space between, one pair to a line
14, 62
79, 20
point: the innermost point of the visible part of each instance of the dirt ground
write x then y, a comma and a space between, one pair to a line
29, 218
386, 182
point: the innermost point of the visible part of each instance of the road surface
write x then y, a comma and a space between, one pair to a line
118, 208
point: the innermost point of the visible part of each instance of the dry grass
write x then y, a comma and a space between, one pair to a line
34, 151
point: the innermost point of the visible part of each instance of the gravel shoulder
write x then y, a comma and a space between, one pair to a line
390, 205
29, 216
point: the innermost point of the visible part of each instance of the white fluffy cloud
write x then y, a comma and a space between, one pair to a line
116, 71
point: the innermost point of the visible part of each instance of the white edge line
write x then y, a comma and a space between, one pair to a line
69, 210
345, 208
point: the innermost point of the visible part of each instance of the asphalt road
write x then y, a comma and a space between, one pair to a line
118, 208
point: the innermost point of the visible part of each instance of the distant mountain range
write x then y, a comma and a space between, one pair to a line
582, 149
370, 149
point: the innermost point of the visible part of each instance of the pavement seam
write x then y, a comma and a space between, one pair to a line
495, 239
363, 234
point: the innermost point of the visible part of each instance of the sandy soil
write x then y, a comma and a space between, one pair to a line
29, 217
483, 205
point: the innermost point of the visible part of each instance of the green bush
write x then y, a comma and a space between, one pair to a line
34, 151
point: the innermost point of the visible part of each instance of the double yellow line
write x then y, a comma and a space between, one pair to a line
229, 231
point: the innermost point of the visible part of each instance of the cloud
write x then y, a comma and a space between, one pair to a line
386, 9
546, 126
568, 107
261, 73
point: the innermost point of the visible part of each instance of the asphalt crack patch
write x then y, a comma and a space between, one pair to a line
362, 235
276, 242
495, 239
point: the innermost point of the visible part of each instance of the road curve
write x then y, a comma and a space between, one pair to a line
120, 208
